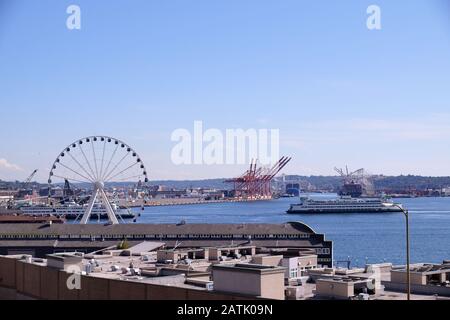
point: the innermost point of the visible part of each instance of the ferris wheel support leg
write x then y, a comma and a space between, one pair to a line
87, 213
109, 210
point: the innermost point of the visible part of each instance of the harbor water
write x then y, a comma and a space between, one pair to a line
362, 238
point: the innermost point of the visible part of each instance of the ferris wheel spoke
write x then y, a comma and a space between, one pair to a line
87, 161
77, 173
132, 177
115, 167
124, 170
66, 178
103, 158
79, 164
95, 159
109, 162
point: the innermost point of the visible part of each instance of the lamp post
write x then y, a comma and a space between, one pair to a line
408, 279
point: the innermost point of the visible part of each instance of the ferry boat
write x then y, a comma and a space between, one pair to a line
345, 204
73, 211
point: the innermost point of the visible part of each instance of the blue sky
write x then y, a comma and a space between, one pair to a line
137, 70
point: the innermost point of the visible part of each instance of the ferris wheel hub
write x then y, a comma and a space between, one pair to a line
99, 185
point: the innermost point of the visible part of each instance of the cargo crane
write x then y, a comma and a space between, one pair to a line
355, 183
28, 180
24, 189
68, 193
255, 183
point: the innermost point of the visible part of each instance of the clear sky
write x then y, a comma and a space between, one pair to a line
137, 70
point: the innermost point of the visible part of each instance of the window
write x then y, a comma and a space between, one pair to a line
293, 273
323, 250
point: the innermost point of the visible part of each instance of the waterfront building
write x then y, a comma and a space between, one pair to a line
41, 239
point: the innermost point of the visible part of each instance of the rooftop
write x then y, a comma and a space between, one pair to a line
248, 267
98, 229
427, 268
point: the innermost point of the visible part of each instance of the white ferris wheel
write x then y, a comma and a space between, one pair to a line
95, 163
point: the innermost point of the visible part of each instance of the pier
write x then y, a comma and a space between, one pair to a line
181, 201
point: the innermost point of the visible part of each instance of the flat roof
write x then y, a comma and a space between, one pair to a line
198, 229
64, 256
68, 243
248, 267
335, 279
145, 246
426, 268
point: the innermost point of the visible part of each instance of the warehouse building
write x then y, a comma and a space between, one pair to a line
41, 239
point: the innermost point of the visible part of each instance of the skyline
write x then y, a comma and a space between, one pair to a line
340, 94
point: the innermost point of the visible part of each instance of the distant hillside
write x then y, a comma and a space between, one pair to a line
380, 182
411, 182
183, 184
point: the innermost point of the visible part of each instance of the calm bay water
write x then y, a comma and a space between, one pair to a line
362, 237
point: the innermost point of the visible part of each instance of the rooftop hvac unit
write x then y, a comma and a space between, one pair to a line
363, 296
135, 271
114, 268
88, 268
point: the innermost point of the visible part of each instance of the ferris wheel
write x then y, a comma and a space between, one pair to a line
95, 163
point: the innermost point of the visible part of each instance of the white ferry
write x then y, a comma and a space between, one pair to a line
345, 204
73, 211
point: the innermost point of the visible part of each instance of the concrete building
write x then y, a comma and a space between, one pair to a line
112, 278
424, 274
267, 259
220, 253
213, 254
110, 274
174, 256
426, 278
62, 261
343, 283
296, 266
345, 287
250, 279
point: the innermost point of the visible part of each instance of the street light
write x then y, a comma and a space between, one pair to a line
408, 282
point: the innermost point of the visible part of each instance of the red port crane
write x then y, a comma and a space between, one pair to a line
255, 183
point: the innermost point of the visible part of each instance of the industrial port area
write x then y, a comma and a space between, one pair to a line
79, 239
224, 159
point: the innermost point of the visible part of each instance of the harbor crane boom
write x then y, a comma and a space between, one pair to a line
255, 182
28, 180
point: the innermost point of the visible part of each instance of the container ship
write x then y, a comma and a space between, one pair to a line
345, 204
